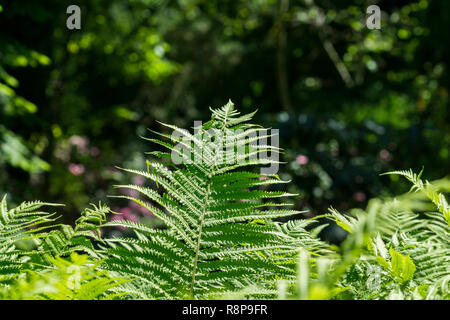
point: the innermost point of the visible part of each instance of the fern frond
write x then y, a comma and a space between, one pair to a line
391, 231
19, 224
220, 232
77, 278
437, 198
66, 240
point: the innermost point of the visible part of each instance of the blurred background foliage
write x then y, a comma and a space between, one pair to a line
350, 102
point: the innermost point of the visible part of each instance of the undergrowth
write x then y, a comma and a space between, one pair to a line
221, 238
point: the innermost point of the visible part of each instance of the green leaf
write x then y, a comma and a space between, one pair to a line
402, 266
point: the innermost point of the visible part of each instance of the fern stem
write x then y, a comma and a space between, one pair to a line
197, 248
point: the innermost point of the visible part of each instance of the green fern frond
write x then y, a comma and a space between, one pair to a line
437, 198
76, 278
220, 232
65, 240
390, 232
22, 223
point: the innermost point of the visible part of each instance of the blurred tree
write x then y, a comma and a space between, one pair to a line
350, 102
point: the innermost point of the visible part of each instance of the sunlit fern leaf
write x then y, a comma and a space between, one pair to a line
77, 278
220, 232
423, 237
437, 198
65, 240
305, 234
24, 222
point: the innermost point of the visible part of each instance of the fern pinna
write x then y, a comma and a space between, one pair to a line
26, 221
29, 222
32, 248
220, 235
402, 243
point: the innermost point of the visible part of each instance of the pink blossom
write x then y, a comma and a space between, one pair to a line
302, 160
76, 169
139, 180
359, 196
128, 215
80, 142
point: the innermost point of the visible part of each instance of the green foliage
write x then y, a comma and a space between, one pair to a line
437, 198
401, 266
31, 249
220, 235
381, 96
15, 152
350, 103
15, 226
74, 279
416, 265
392, 252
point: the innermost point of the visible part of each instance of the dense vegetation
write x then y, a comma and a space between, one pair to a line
350, 104
72, 102
220, 237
